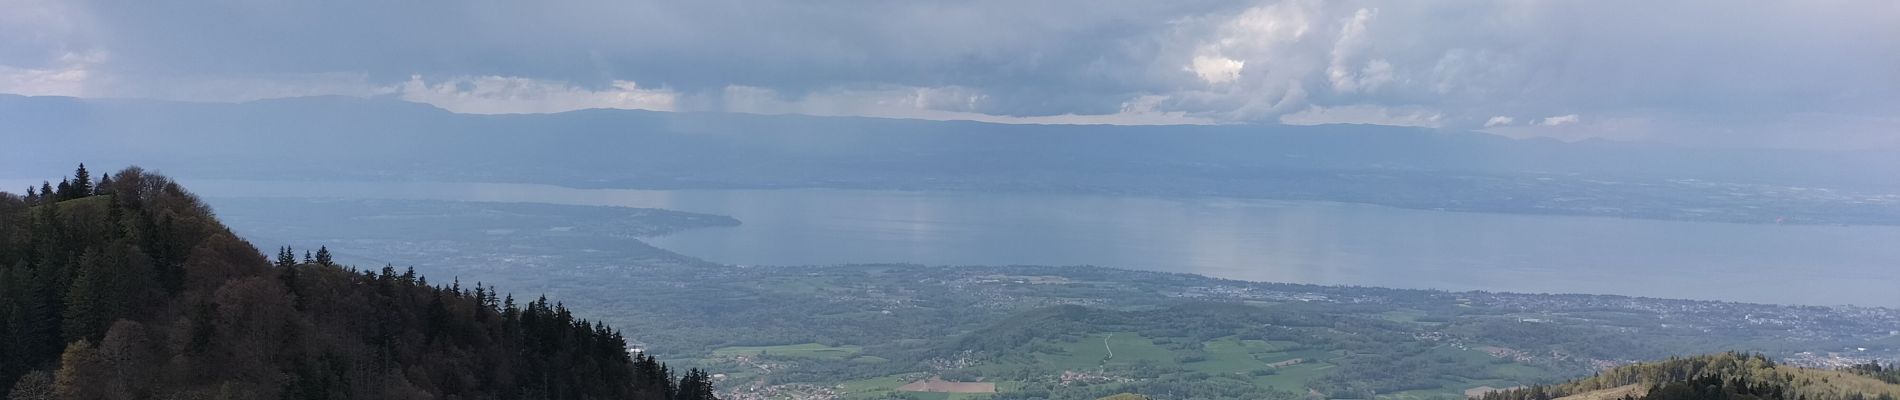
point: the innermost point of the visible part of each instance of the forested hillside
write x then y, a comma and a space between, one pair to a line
1718, 376
127, 287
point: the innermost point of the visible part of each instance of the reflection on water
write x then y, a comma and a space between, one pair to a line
1310, 242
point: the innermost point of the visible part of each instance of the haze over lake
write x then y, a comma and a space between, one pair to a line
1262, 240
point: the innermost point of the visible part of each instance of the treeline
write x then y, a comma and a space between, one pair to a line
1889, 373
1739, 376
129, 288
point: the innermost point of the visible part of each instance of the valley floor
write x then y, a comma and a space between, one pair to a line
870, 331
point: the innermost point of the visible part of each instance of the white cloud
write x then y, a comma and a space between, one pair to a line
71, 75
1499, 121
1376, 73
930, 103
513, 95
1263, 26
1366, 114
43, 81
474, 95
1560, 120
1352, 42
233, 88
1217, 70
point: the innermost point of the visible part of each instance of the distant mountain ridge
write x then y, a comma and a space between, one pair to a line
343, 138
358, 129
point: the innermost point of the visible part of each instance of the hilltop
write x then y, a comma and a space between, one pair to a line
1717, 376
128, 287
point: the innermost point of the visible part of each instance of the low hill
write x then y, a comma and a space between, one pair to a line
1719, 376
130, 288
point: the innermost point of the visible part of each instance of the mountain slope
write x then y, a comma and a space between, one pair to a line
130, 288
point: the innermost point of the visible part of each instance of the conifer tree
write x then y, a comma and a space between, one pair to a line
323, 256
105, 184
285, 257
508, 310
290, 280
82, 182
88, 305
32, 320
696, 385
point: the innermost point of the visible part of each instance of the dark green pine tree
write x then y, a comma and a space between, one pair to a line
65, 190
51, 254
696, 385
47, 195
105, 184
285, 257
88, 305
32, 318
10, 299
289, 277
166, 251
323, 256
508, 310
436, 318
82, 182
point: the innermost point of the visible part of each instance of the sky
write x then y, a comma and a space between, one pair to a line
1819, 74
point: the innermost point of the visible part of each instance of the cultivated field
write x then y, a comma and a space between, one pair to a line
939, 386
805, 350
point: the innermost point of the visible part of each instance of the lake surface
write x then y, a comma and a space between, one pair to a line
1306, 242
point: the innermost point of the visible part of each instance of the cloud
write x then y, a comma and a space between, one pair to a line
1366, 114
1226, 61
1217, 70
1560, 120
472, 95
1352, 43
506, 95
929, 103
1498, 121
69, 77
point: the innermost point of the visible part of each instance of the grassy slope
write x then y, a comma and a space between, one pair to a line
1805, 380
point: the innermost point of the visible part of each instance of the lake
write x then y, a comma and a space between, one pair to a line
1261, 240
